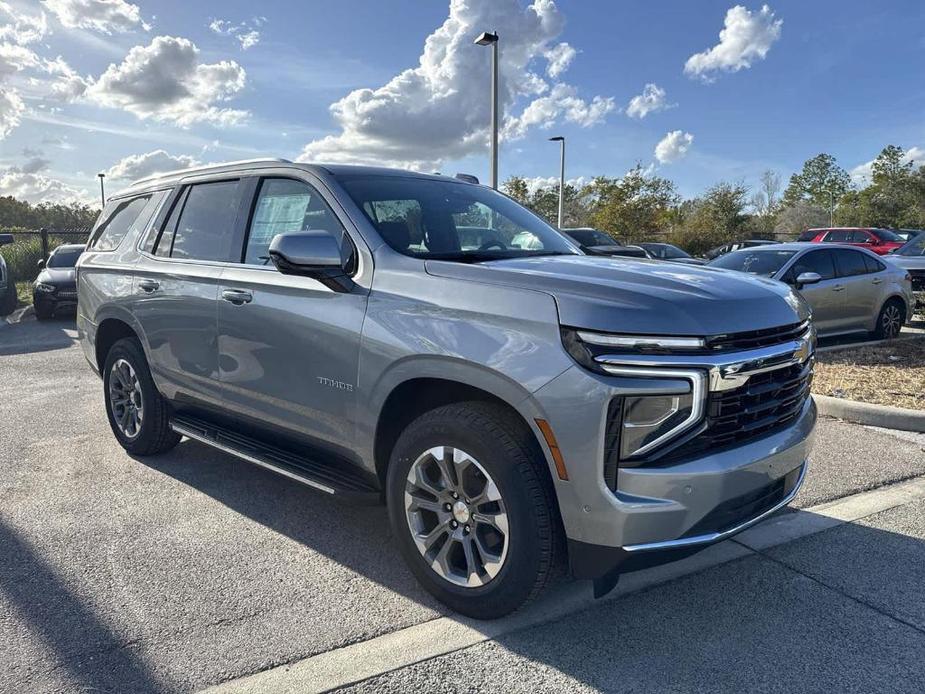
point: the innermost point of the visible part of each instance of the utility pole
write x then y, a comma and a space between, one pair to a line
561, 141
101, 176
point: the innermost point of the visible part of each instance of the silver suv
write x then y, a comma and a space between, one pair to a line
425, 341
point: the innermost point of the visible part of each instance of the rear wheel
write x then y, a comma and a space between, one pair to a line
138, 414
891, 319
471, 507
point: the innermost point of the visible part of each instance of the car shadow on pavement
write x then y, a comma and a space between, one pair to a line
355, 536
37, 336
80, 642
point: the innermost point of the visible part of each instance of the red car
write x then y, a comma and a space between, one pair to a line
880, 241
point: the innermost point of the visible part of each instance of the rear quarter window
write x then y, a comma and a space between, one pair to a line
122, 217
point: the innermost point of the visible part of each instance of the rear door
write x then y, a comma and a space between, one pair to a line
827, 297
862, 288
176, 289
289, 345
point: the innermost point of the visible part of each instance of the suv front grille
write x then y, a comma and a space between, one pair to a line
756, 338
767, 402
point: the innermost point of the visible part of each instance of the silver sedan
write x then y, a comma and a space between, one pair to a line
849, 289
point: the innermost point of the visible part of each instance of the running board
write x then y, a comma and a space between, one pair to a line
339, 481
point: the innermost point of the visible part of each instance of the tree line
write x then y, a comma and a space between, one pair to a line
18, 214
643, 206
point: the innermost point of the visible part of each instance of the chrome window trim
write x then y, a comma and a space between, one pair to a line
698, 381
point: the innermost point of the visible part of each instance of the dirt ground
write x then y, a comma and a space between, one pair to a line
891, 374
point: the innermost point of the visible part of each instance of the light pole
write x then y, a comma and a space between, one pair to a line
101, 176
561, 141
491, 39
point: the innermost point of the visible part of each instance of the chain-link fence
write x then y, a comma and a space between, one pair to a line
29, 247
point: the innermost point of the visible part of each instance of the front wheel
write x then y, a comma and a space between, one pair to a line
138, 414
890, 321
471, 507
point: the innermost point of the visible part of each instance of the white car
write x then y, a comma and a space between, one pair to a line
911, 258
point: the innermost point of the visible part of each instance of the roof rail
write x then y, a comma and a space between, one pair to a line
209, 167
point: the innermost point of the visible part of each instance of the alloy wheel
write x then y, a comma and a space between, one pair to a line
891, 321
457, 517
125, 400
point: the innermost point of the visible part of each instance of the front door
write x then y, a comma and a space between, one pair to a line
289, 345
826, 297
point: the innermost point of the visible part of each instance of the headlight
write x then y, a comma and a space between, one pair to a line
44, 288
650, 420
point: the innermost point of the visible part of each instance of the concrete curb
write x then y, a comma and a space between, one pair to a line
872, 415
871, 343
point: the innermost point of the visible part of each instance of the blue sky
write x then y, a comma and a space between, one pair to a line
105, 85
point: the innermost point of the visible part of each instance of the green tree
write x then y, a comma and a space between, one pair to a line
894, 198
632, 208
821, 182
516, 187
713, 219
20, 214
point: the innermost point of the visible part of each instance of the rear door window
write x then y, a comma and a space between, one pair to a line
125, 215
838, 236
873, 265
850, 263
205, 228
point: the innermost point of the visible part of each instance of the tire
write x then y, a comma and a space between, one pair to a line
890, 320
133, 384
505, 453
8, 300
43, 312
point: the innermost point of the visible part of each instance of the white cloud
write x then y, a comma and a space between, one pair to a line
746, 36
34, 187
439, 110
104, 16
19, 27
247, 33
166, 81
560, 57
652, 100
35, 163
536, 183
138, 166
11, 109
862, 174
673, 146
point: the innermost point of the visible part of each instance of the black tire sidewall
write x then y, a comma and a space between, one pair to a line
130, 350
517, 579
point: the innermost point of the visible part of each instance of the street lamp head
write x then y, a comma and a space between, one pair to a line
101, 175
557, 138
487, 38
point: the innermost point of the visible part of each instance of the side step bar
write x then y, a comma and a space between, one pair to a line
339, 481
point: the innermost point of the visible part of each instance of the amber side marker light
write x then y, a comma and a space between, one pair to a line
553, 448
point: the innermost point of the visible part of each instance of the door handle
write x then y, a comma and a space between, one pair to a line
148, 286
877, 280
839, 288
237, 296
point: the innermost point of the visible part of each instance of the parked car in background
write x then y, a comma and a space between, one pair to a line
908, 234
880, 241
735, 246
509, 405
8, 298
911, 257
597, 242
849, 289
669, 252
55, 289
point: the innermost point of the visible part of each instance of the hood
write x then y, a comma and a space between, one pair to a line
909, 262
58, 275
687, 261
642, 296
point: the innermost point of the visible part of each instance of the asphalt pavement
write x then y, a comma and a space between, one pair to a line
191, 569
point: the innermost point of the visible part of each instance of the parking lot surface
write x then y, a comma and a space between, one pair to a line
190, 569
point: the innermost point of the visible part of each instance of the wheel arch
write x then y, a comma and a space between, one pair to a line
112, 326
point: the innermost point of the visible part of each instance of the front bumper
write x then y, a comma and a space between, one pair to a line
678, 507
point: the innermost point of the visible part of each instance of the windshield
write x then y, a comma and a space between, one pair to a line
915, 246
766, 263
65, 257
887, 235
449, 220
591, 237
665, 251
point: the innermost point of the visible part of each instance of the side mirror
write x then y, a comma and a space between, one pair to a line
314, 254
41, 263
805, 278
6, 239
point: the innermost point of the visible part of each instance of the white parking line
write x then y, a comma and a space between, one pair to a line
357, 662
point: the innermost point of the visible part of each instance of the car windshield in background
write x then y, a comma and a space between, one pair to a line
887, 235
669, 252
914, 247
592, 237
766, 263
65, 258
448, 220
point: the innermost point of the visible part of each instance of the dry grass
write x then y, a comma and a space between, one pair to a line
891, 374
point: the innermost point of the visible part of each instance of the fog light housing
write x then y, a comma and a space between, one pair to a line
43, 288
650, 420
